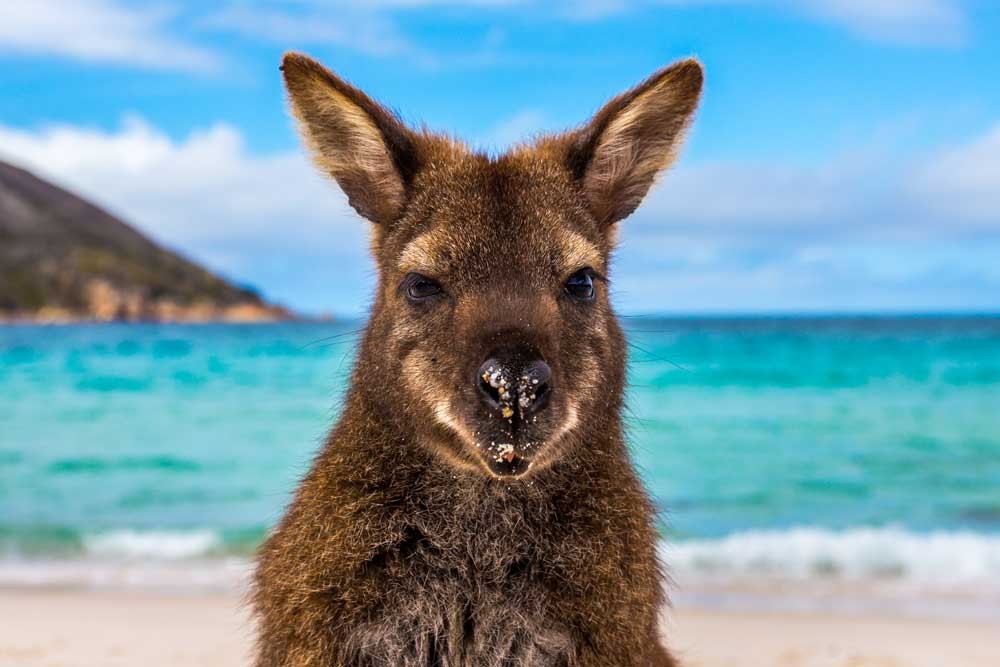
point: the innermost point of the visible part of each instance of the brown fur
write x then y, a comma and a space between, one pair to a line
402, 546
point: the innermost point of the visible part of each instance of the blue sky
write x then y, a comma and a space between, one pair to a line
846, 156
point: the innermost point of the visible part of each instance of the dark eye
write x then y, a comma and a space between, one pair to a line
420, 287
581, 285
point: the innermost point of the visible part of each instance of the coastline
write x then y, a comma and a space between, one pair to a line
60, 627
888, 570
730, 592
237, 314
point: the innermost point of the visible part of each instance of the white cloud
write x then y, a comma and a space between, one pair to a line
963, 183
936, 22
930, 22
365, 27
271, 220
727, 195
99, 31
856, 232
364, 31
518, 128
951, 193
903, 21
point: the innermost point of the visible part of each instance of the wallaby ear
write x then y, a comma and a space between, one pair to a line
363, 145
634, 137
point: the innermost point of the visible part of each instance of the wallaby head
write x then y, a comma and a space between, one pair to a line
492, 340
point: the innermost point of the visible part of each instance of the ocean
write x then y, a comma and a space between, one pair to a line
855, 453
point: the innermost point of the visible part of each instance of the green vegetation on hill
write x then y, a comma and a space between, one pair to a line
63, 258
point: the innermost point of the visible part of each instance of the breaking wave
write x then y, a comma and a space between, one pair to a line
936, 559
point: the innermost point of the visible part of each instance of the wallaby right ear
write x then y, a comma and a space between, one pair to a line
634, 137
363, 145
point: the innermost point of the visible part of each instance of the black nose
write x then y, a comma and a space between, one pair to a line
514, 390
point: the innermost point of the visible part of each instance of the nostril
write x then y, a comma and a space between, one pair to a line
537, 372
533, 388
492, 382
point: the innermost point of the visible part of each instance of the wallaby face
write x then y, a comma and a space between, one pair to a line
497, 346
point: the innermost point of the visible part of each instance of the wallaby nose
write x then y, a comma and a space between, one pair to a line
510, 388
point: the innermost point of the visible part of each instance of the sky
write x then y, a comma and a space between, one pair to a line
846, 156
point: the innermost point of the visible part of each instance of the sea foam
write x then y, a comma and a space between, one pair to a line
153, 545
938, 560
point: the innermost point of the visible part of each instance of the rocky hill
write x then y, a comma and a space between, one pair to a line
65, 259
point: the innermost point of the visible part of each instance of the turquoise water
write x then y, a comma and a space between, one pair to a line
180, 441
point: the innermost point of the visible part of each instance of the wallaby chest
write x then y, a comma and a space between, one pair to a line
450, 595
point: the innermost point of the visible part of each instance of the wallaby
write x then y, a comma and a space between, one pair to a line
476, 504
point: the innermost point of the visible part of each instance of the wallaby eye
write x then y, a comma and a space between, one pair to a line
418, 287
580, 285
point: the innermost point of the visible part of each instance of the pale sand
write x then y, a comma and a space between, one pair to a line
109, 629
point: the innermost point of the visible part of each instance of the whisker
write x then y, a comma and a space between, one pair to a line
657, 357
337, 337
351, 350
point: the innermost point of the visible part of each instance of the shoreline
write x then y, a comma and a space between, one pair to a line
51, 627
944, 575
889, 570
637, 319
78, 321
225, 577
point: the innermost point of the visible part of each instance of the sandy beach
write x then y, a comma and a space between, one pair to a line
70, 628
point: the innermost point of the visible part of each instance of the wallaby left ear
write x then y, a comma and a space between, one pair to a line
619, 153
